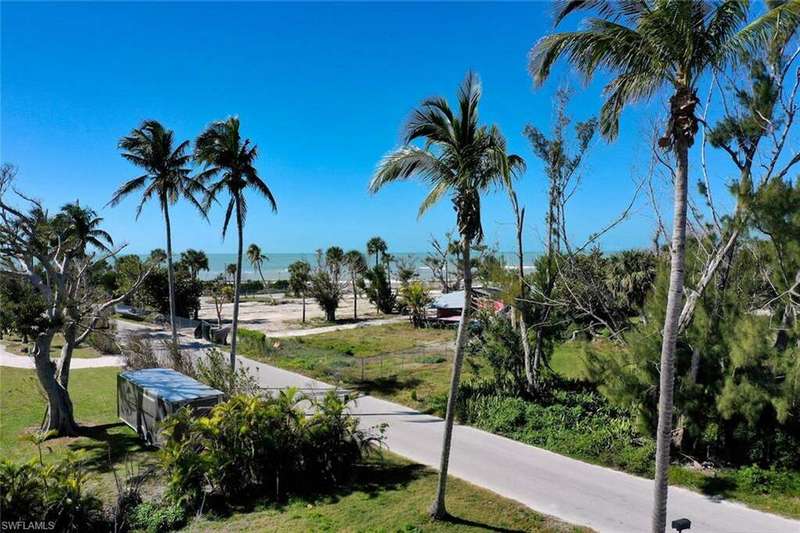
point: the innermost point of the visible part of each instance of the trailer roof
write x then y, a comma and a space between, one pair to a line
170, 385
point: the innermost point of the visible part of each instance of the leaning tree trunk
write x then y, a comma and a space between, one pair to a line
59, 417
237, 283
438, 509
170, 278
670, 335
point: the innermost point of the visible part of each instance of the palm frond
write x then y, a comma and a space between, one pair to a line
433, 197
782, 19
127, 188
407, 162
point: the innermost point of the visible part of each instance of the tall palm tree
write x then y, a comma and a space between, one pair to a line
377, 247
356, 265
334, 259
231, 160
167, 177
460, 158
257, 259
195, 261
649, 46
82, 225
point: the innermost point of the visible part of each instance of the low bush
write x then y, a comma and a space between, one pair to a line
766, 481
138, 352
251, 342
571, 420
157, 517
51, 494
105, 340
215, 371
251, 446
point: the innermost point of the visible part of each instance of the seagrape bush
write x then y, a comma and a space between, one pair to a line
255, 447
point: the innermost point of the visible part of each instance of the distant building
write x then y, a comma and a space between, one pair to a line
447, 308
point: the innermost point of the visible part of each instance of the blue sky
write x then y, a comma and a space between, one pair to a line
323, 89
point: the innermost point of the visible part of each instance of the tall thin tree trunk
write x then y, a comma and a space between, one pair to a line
60, 417
438, 509
170, 277
355, 300
670, 335
523, 327
304, 307
237, 282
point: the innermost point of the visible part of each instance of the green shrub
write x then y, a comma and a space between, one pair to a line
157, 518
54, 494
215, 371
432, 359
251, 446
250, 342
765, 481
105, 340
569, 420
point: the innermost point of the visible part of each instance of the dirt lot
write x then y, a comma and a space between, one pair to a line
279, 313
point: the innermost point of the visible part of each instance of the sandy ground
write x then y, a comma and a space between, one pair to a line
279, 312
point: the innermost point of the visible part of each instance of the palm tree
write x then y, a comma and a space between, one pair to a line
195, 261
230, 270
257, 259
299, 277
463, 159
151, 147
356, 265
334, 258
377, 247
83, 226
648, 46
231, 159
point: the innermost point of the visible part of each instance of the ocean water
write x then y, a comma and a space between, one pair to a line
277, 265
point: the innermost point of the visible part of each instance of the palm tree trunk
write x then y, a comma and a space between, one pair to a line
237, 282
170, 278
438, 509
670, 335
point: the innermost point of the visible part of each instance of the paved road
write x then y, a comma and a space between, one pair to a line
574, 491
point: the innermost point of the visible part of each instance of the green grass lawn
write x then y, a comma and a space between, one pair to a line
386, 494
107, 443
391, 494
15, 345
393, 361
